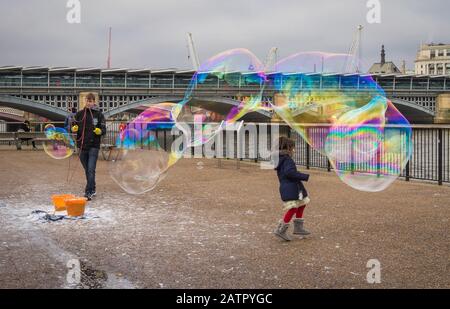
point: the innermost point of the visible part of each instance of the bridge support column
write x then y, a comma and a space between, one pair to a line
442, 109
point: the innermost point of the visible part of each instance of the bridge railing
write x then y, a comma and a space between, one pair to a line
430, 159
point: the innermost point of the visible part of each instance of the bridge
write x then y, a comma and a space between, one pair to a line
50, 91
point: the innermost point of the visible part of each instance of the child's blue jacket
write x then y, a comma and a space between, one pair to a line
290, 179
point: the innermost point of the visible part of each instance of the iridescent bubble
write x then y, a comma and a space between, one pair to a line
343, 115
139, 170
230, 70
313, 88
58, 143
367, 149
49, 127
355, 135
143, 161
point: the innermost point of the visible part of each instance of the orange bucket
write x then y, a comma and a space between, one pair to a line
76, 206
60, 201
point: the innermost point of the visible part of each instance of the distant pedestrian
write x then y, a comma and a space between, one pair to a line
122, 128
26, 127
70, 119
293, 192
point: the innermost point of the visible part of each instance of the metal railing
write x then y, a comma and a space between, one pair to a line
430, 159
430, 150
430, 154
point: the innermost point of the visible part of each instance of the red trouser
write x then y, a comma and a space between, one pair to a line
294, 211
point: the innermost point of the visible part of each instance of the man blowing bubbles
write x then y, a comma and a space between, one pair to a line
89, 125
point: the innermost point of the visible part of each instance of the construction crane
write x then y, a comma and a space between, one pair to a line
353, 64
271, 60
108, 61
192, 52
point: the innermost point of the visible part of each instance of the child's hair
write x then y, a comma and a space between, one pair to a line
285, 143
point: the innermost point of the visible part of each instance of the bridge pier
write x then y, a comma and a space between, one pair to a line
442, 109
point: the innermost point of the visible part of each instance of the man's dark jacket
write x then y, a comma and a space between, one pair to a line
87, 120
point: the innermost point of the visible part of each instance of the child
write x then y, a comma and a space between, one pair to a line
292, 191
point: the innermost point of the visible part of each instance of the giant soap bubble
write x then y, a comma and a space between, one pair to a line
143, 159
230, 70
342, 114
345, 116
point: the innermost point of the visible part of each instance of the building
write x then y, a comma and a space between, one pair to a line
433, 59
383, 67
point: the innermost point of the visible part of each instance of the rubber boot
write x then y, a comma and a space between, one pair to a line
298, 227
281, 231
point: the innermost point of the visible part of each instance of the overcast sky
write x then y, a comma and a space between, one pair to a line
152, 33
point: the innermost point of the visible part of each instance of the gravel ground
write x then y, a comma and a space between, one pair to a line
210, 227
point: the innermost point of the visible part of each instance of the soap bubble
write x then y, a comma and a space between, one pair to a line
139, 170
344, 116
49, 127
370, 154
58, 143
231, 70
143, 161
339, 112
